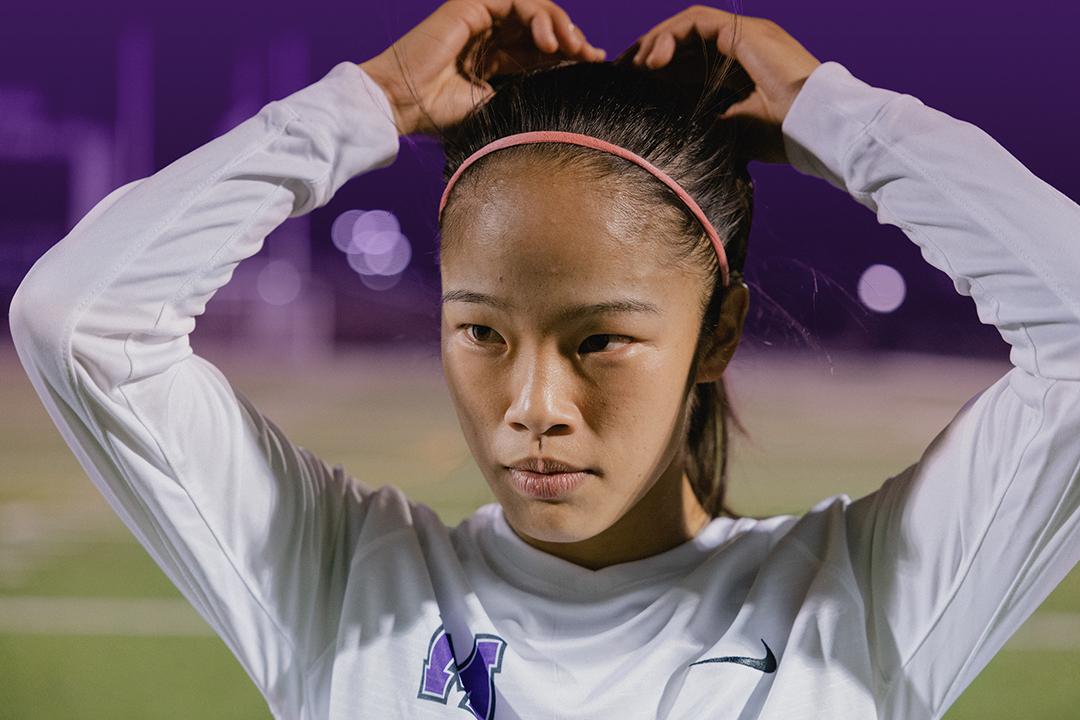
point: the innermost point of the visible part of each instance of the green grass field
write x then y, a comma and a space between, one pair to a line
90, 628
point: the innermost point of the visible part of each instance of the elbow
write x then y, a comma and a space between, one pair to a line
34, 321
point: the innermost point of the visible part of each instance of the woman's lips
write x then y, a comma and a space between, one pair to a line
546, 486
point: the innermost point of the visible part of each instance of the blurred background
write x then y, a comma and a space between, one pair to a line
856, 351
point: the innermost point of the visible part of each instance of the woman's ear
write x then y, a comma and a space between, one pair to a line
724, 339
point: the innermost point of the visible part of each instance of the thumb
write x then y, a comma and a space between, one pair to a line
749, 105
477, 93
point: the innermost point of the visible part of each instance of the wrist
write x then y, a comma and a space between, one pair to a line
401, 118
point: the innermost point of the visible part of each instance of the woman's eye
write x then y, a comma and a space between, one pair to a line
482, 333
596, 347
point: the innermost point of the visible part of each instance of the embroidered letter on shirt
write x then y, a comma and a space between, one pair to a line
473, 677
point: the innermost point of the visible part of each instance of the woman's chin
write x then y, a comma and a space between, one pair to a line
553, 522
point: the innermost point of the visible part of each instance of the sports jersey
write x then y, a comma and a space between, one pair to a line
343, 598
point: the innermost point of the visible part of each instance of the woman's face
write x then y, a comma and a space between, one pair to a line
533, 371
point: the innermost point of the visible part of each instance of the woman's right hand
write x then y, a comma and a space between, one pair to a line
438, 71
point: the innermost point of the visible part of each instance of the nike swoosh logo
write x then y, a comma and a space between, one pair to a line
766, 664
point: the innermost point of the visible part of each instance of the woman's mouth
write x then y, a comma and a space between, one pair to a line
546, 486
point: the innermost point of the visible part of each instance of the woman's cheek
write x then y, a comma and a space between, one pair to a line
471, 381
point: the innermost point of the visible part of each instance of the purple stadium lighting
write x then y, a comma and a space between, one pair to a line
882, 288
375, 247
278, 283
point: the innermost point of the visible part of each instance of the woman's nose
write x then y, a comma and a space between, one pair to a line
541, 398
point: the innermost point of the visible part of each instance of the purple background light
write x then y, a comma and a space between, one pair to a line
95, 95
882, 288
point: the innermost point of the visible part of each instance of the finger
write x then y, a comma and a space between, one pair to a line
751, 106
647, 43
570, 37
648, 40
708, 22
543, 33
723, 27
735, 108
592, 52
729, 32
585, 49
662, 51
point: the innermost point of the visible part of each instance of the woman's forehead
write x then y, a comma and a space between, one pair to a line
552, 254
550, 229
540, 196
572, 223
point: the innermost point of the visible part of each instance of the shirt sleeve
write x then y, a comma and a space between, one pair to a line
955, 552
255, 531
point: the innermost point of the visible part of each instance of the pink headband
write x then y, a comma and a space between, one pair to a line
593, 142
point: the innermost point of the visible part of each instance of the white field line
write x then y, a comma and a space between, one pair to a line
41, 615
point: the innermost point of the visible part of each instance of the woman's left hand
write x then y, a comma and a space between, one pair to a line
775, 61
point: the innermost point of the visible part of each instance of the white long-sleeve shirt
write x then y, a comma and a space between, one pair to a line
345, 601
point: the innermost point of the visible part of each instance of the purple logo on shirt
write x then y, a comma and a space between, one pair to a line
441, 672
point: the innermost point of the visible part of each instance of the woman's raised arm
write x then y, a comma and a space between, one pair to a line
955, 552
950, 556
255, 531
245, 523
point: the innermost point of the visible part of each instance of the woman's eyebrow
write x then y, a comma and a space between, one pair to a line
573, 312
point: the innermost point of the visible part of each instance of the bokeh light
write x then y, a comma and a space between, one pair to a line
882, 288
278, 282
374, 245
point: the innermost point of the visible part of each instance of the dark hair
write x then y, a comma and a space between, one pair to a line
674, 125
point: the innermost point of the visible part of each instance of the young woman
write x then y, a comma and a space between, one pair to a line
593, 299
